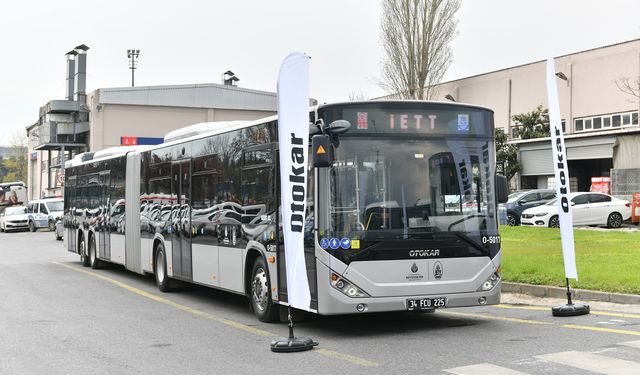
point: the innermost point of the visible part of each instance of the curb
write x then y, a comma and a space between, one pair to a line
580, 294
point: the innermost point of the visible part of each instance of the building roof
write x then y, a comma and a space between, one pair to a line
541, 61
208, 95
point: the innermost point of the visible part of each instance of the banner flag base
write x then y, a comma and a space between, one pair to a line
570, 309
292, 344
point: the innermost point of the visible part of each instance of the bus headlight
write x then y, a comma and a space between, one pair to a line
346, 287
490, 282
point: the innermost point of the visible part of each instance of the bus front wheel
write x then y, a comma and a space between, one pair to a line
260, 293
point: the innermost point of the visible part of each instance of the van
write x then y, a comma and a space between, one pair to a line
43, 213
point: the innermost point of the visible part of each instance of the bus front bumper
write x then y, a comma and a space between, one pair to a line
338, 303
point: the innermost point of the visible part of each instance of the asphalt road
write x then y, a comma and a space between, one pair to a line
57, 317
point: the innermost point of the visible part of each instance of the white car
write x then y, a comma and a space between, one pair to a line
14, 218
587, 209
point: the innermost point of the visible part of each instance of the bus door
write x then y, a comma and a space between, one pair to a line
181, 219
104, 245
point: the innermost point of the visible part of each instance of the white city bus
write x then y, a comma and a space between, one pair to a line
402, 218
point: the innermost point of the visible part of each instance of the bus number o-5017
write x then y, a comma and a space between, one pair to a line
490, 240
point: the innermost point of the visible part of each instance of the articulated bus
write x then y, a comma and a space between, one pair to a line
402, 218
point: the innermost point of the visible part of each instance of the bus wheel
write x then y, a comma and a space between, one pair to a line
32, 226
84, 259
263, 308
160, 268
93, 257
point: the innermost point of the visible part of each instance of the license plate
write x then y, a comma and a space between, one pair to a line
426, 303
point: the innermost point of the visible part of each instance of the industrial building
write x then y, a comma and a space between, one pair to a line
110, 117
600, 119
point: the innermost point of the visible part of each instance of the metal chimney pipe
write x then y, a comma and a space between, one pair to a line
71, 72
81, 73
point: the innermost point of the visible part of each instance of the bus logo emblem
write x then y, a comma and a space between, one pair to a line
437, 270
414, 268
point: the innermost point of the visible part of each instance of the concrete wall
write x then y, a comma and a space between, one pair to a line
109, 122
589, 91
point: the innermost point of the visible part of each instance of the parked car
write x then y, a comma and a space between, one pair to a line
43, 213
14, 218
524, 199
587, 209
59, 230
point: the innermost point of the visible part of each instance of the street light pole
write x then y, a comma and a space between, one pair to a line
133, 54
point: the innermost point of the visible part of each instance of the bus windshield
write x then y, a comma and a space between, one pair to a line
410, 194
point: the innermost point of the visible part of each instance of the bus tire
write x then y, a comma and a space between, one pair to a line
94, 262
160, 269
260, 292
82, 250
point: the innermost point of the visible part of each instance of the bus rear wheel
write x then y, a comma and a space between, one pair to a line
260, 293
94, 262
82, 249
160, 268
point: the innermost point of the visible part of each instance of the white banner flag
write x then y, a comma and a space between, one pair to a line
293, 134
561, 170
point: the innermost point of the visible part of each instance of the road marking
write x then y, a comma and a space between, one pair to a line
541, 308
178, 306
516, 320
256, 331
483, 368
594, 362
633, 344
346, 357
601, 329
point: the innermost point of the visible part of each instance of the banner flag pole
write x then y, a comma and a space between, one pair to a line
561, 171
293, 140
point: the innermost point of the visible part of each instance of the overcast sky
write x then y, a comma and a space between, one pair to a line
190, 41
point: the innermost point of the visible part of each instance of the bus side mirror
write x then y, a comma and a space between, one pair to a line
320, 145
502, 189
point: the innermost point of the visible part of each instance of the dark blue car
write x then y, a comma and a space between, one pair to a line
523, 199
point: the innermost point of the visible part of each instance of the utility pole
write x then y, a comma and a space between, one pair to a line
133, 54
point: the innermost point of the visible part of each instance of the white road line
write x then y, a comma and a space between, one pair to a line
482, 369
593, 362
633, 344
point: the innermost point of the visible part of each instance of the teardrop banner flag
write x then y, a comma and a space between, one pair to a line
293, 134
561, 171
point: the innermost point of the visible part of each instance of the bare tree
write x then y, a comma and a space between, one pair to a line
626, 86
357, 96
416, 36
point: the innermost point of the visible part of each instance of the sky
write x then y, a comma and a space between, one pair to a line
193, 41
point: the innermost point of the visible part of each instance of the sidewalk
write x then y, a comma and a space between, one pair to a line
537, 295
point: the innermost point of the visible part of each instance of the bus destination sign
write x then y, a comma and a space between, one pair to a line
436, 122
